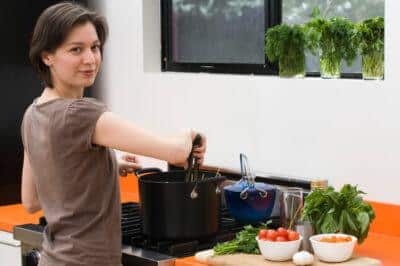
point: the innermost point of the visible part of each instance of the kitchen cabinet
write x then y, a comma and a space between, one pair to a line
10, 250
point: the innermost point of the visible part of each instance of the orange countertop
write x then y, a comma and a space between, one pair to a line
383, 241
15, 214
382, 247
11, 215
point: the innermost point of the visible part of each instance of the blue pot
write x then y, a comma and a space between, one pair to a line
256, 207
248, 201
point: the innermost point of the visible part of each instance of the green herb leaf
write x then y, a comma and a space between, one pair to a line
244, 242
364, 221
329, 224
315, 12
350, 222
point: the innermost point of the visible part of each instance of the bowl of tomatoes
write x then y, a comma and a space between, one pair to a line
333, 247
278, 245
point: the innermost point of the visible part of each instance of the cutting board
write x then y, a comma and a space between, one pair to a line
258, 260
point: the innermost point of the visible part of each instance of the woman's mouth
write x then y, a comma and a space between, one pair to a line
88, 73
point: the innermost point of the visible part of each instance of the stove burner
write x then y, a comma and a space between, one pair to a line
131, 222
131, 226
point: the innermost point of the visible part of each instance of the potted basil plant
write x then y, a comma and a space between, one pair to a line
285, 44
335, 39
371, 37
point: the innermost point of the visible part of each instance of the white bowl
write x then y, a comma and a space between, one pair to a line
278, 251
333, 252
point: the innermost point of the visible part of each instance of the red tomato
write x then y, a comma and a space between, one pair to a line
281, 239
262, 234
282, 232
293, 235
271, 234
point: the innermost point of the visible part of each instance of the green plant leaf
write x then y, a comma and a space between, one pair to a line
316, 12
329, 224
350, 222
363, 221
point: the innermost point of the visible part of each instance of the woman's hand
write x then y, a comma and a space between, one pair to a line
127, 164
186, 138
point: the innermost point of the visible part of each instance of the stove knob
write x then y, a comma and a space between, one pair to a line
32, 258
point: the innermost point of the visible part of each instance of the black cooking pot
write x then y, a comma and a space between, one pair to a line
175, 208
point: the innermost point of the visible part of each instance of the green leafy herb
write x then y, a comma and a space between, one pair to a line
345, 211
316, 12
286, 44
245, 242
335, 38
371, 42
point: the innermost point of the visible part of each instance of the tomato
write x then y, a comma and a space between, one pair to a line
293, 235
271, 234
281, 239
262, 234
282, 232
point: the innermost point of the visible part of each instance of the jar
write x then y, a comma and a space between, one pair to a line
318, 184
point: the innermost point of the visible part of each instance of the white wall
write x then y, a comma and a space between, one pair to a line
344, 130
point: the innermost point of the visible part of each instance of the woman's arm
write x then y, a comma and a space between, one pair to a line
115, 132
28, 189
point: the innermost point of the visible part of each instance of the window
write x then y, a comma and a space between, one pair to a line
227, 36
217, 35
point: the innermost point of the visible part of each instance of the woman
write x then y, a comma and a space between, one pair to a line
70, 170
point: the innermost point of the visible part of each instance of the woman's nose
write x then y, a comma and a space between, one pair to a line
89, 57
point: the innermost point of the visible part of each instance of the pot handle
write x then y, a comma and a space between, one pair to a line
245, 171
248, 178
146, 171
220, 179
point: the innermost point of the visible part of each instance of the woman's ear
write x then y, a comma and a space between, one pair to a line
47, 59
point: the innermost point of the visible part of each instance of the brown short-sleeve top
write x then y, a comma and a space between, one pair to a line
76, 182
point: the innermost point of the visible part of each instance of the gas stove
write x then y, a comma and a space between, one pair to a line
138, 249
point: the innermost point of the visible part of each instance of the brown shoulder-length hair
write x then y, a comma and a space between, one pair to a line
52, 28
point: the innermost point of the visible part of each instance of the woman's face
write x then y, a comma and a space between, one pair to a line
75, 64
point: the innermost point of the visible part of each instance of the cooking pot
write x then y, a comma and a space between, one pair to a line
249, 201
169, 209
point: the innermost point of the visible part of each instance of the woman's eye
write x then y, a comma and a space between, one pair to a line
96, 47
76, 50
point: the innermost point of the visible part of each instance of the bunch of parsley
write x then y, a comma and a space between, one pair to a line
335, 38
371, 34
245, 242
286, 44
345, 211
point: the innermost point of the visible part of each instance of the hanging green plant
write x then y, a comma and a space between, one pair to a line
335, 39
371, 34
286, 44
